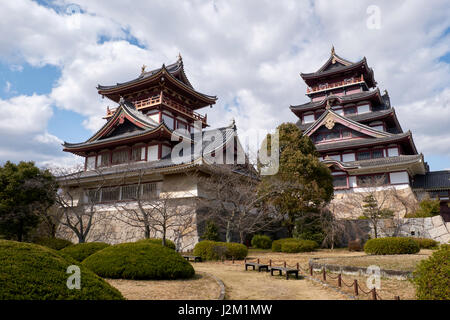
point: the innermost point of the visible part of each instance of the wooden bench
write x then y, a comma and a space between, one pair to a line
287, 271
193, 258
255, 265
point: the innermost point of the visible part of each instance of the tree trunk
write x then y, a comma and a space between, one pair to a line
228, 232
147, 232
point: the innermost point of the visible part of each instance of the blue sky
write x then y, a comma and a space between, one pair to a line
248, 54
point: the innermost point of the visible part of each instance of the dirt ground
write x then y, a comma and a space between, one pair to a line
254, 285
389, 287
201, 287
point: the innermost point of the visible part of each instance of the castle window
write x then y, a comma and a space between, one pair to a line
110, 194
349, 110
120, 156
149, 190
378, 153
130, 192
372, 180
136, 154
363, 155
104, 159
340, 181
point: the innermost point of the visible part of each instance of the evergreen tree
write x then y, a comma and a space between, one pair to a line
25, 192
303, 185
211, 232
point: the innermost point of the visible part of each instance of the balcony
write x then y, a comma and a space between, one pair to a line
166, 101
335, 85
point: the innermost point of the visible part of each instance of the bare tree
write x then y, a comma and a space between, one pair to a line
157, 212
234, 201
78, 206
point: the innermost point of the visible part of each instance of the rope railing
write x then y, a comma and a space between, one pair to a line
357, 289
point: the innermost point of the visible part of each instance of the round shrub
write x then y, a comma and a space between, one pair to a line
276, 244
394, 245
432, 276
81, 251
140, 261
53, 243
169, 243
213, 250
299, 246
33, 272
425, 243
234, 250
261, 241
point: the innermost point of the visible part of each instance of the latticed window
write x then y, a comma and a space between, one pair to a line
136, 154
363, 155
379, 153
104, 159
93, 196
110, 194
149, 190
120, 156
130, 192
339, 181
372, 180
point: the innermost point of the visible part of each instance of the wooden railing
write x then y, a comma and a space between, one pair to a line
161, 99
335, 84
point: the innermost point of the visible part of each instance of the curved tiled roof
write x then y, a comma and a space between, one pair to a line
360, 143
434, 180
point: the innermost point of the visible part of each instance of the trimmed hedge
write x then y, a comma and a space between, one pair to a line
425, 243
432, 276
294, 245
261, 241
169, 243
32, 272
140, 261
394, 245
81, 251
213, 250
53, 243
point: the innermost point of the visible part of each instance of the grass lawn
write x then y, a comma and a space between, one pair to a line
201, 287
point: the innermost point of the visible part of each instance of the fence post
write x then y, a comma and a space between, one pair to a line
355, 284
284, 264
298, 266
311, 271
339, 280
245, 260
324, 273
397, 297
257, 261
232, 260
270, 263
374, 294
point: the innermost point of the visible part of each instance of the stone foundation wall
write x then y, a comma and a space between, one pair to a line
432, 228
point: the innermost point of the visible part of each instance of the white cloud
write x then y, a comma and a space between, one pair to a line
7, 87
248, 53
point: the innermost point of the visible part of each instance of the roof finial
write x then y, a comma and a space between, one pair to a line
179, 56
386, 92
332, 50
143, 68
328, 105
121, 100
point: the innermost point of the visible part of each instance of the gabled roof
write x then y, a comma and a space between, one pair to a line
173, 73
335, 65
434, 180
126, 111
329, 116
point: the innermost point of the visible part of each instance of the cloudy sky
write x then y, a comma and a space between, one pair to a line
248, 53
